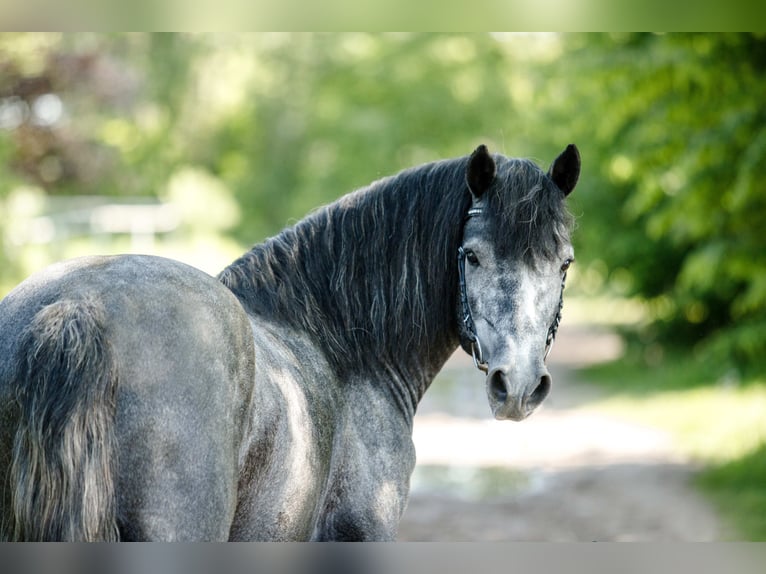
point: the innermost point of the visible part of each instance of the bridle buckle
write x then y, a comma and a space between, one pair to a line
479, 361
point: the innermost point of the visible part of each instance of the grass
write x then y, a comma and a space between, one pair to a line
717, 419
738, 488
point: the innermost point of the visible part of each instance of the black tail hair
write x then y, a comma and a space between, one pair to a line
62, 472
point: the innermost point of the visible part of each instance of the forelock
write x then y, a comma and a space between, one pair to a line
527, 213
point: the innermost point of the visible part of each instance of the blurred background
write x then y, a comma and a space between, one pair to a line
195, 146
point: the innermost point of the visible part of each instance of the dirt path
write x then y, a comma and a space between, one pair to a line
564, 474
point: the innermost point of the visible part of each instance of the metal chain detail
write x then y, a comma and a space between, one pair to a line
556, 322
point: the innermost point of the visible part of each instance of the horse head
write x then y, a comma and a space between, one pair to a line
513, 262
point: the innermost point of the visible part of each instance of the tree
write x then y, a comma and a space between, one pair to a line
329, 113
671, 128
678, 205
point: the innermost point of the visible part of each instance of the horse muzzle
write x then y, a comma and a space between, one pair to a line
513, 401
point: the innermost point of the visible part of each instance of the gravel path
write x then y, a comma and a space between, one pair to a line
564, 474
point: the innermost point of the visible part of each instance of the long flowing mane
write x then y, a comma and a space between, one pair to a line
296, 399
372, 277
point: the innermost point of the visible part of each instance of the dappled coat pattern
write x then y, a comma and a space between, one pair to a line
141, 399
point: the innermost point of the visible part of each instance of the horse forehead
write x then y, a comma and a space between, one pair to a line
524, 284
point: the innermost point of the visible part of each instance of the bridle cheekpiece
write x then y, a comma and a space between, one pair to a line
470, 327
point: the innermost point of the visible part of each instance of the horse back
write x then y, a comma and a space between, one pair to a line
183, 354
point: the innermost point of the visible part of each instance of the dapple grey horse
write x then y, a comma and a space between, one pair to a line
141, 399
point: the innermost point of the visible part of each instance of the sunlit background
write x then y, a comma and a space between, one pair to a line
195, 146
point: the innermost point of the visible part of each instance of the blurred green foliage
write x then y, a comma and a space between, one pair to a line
737, 488
672, 130
677, 206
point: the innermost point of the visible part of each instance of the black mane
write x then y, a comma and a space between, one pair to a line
373, 276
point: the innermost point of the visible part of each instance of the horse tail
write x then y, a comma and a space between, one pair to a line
63, 466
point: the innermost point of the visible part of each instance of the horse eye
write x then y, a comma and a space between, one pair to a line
566, 265
471, 257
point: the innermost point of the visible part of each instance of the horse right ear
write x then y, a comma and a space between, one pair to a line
480, 172
565, 170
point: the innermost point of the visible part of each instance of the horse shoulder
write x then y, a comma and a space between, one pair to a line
372, 462
293, 419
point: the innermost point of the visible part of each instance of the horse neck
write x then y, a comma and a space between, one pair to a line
372, 278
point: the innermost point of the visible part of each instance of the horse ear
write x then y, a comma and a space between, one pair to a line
565, 169
480, 172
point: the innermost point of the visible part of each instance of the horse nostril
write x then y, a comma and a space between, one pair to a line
498, 385
540, 392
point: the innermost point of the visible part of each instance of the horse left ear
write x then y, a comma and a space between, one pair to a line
565, 169
480, 172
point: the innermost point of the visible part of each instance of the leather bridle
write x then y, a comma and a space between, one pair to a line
470, 327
